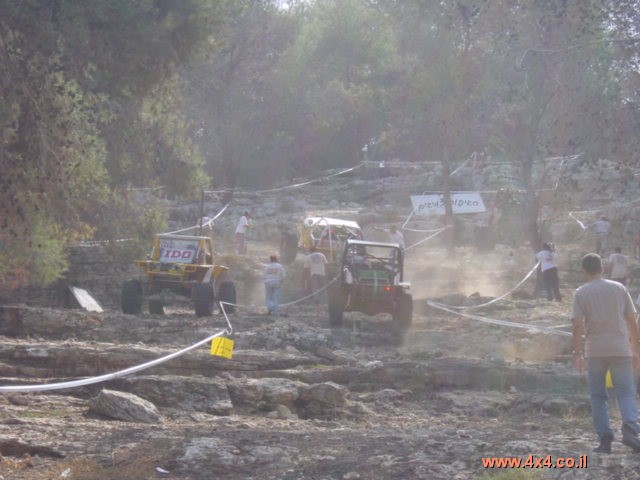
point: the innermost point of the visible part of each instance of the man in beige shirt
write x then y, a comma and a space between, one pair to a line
603, 311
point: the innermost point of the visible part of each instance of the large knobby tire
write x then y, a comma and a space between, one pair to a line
288, 248
156, 307
203, 299
336, 308
227, 293
131, 297
403, 314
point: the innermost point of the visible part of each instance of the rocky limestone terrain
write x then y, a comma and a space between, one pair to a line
298, 399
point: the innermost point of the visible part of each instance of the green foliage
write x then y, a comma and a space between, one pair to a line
334, 77
239, 113
37, 256
101, 95
130, 215
90, 100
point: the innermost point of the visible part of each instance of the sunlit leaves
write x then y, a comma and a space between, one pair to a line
90, 101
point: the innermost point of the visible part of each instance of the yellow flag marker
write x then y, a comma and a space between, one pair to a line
222, 347
609, 380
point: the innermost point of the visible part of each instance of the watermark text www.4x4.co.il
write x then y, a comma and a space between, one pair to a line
533, 461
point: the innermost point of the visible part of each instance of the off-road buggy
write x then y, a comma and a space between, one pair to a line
182, 265
371, 281
326, 234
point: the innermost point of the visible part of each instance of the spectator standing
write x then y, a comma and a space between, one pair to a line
618, 266
241, 230
315, 272
601, 229
549, 269
395, 236
273, 276
604, 313
206, 225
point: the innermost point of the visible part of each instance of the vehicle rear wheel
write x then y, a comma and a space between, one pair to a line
156, 307
131, 297
203, 299
227, 293
403, 314
336, 308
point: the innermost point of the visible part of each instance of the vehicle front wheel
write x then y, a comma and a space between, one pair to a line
227, 294
131, 297
203, 299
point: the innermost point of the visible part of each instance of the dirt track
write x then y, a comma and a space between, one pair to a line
427, 405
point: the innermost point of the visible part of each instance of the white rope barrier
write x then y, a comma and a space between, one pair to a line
288, 304
144, 189
437, 232
582, 225
121, 373
286, 187
462, 165
418, 230
406, 222
504, 323
92, 243
206, 224
332, 281
527, 276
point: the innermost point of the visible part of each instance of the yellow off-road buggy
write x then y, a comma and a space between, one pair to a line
328, 235
179, 265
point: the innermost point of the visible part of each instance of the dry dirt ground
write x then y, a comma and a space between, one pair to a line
427, 404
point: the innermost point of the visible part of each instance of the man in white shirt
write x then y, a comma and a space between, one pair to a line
549, 269
241, 230
273, 276
395, 236
618, 266
315, 272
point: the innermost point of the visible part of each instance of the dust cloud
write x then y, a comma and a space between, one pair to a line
433, 273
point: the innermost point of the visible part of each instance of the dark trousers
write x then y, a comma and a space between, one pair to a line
551, 283
317, 282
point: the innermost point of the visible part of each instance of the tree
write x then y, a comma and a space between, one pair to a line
232, 98
334, 81
440, 95
78, 81
520, 81
559, 87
